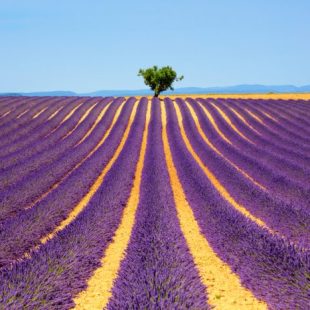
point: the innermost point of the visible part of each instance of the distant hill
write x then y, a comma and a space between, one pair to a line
44, 93
106, 93
256, 89
237, 89
11, 94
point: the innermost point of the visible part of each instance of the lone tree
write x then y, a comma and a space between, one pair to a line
159, 79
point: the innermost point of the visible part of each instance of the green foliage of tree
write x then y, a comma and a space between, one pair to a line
159, 79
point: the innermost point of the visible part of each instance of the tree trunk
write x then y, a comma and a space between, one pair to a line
156, 94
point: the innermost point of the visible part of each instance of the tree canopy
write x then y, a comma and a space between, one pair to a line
159, 79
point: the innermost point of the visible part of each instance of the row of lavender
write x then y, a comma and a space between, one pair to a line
267, 264
284, 205
157, 254
24, 152
285, 184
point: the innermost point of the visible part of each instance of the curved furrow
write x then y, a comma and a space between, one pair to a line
95, 141
8, 104
301, 103
5, 114
71, 112
262, 135
61, 206
90, 146
215, 126
95, 186
39, 113
31, 139
266, 264
210, 116
15, 155
156, 243
297, 109
76, 252
290, 135
266, 125
46, 177
290, 125
184, 204
5, 99
21, 114
9, 101
21, 101
280, 139
265, 177
68, 101
56, 112
243, 119
14, 125
223, 286
102, 279
11, 123
213, 145
27, 129
15, 107
91, 129
257, 205
270, 116
252, 122
248, 126
231, 124
282, 131
30, 124
285, 144
40, 162
284, 161
300, 119
266, 120
19, 153
84, 116
303, 106
6, 107
286, 110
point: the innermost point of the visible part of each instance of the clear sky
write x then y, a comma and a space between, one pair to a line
97, 44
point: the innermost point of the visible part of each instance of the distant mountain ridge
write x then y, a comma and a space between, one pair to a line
237, 89
44, 93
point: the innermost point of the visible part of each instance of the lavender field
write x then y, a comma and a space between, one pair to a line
129, 203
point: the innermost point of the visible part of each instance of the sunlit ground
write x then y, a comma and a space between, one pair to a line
305, 96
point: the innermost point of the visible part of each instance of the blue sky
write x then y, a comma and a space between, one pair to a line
91, 45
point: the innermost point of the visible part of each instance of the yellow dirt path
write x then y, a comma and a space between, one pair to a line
288, 96
214, 148
223, 287
85, 200
214, 181
211, 119
6, 113
64, 119
39, 113
105, 136
80, 121
243, 120
99, 286
21, 114
230, 123
55, 113
98, 119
